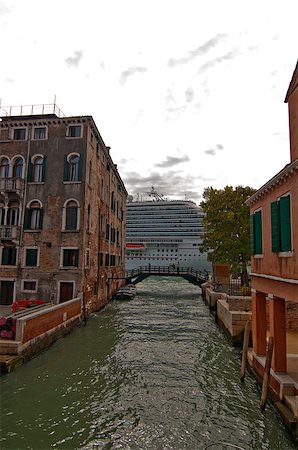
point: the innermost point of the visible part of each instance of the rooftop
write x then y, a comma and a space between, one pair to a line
46, 109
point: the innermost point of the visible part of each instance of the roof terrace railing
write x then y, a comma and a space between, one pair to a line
31, 110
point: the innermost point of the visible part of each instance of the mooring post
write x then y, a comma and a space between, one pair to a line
265, 384
247, 331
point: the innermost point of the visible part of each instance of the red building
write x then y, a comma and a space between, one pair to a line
274, 249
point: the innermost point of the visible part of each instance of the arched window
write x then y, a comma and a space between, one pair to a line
72, 168
4, 168
13, 214
17, 171
38, 169
71, 215
33, 216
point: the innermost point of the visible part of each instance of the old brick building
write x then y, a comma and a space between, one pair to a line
62, 210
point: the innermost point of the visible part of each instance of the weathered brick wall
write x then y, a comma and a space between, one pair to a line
45, 321
239, 303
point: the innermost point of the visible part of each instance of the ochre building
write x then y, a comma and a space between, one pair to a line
62, 210
274, 248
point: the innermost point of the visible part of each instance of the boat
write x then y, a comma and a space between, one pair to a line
125, 293
164, 233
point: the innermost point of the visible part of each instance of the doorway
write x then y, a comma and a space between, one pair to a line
6, 292
66, 291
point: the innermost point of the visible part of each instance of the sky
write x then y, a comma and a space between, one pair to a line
187, 93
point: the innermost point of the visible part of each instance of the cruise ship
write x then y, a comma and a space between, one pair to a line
164, 233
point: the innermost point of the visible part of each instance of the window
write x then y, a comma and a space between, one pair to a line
9, 256
70, 257
33, 216
39, 133
38, 169
4, 168
256, 244
17, 170
30, 286
71, 215
74, 131
281, 225
19, 134
87, 260
90, 173
13, 214
31, 255
88, 219
72, 168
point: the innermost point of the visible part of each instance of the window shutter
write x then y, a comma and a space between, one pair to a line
40, 219
65, 173
27, 219
285, 224
76, 258
80, 168
30, 170
252, 235
275, 227
44, 168
258, 232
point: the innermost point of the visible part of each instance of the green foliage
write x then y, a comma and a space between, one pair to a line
227, 225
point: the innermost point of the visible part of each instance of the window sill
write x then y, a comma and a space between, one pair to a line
36, 182
260, 256
69, 268
70, 231
32, 231
8, 266
72, 182
285, 254
30, 267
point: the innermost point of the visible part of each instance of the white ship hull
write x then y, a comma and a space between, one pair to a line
163, 233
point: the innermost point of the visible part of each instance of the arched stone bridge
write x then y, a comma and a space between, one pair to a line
188, 273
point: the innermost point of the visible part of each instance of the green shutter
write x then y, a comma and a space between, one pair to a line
65, 172
252, 235
40, 218
80, 168
275, 227
30, 170
44, 168
27, 219
76, 258
285, 224
258, 232
31, 257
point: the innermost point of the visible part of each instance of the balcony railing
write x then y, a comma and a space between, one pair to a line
12, 185
9, 232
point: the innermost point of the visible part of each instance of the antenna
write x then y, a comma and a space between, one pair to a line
153, 193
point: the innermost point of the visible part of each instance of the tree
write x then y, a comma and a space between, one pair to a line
226, 224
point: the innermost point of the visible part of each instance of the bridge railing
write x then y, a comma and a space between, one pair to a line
160, 270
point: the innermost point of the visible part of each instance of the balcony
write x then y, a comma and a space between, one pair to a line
9, 232
14, 185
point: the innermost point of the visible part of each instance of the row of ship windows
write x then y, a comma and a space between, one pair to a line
140, 255
157, 259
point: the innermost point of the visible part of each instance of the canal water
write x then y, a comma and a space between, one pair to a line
151, 373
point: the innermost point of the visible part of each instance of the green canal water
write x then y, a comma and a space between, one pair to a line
151, 373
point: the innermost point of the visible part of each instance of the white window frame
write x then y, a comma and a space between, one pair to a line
64, 215
61, 258
12, 162
12, 133
33, 159
33, 133
24, 256
74, 125
32, 291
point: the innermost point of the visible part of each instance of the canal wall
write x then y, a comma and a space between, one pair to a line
38, 330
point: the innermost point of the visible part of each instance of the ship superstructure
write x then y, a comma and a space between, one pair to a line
164, 233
